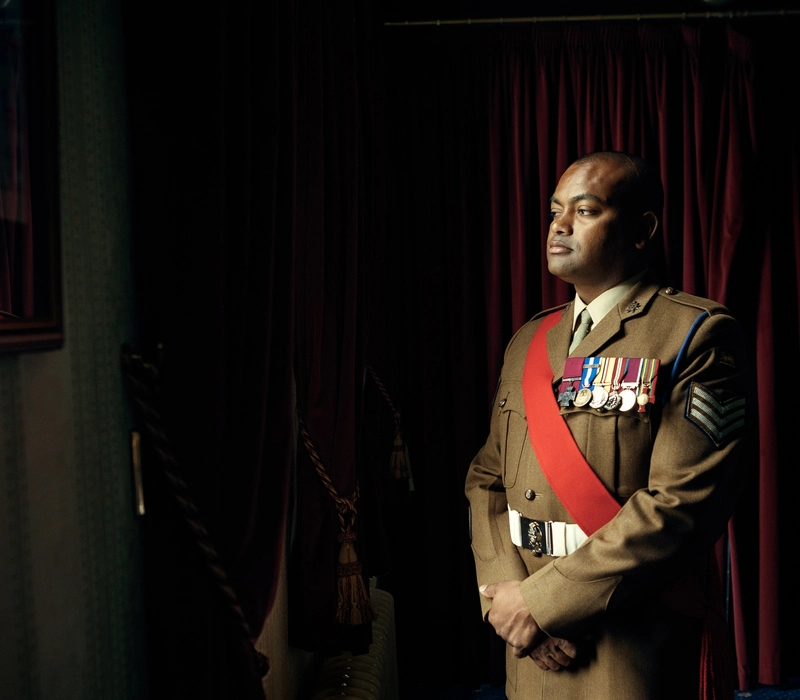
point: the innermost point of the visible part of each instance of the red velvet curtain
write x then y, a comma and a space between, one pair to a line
482, 123
684, 97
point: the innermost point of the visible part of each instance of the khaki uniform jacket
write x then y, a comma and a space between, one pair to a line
673, 469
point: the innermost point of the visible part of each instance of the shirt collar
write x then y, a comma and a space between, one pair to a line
606, 301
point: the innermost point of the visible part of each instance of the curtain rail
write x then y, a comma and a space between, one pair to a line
731, 14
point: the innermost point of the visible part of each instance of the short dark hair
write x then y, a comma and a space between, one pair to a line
640, 190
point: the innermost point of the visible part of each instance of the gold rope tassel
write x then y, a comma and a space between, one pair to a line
399, 463
354, 607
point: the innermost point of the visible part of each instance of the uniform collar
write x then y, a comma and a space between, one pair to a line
600, 306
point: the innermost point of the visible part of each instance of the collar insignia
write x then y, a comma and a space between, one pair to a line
633, 306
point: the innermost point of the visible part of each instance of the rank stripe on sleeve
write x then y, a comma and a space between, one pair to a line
719, 420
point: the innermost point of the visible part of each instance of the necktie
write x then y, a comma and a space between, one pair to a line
585, 322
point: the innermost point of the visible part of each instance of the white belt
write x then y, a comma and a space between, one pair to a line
555, 539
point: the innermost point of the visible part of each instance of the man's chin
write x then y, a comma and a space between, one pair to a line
559, 268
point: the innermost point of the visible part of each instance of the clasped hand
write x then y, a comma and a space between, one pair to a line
512, 620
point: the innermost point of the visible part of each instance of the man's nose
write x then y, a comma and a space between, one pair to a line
562, 223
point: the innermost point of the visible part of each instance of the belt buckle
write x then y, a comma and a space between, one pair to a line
536, 538
540, 537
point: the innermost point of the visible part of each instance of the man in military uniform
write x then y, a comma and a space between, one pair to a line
611, 466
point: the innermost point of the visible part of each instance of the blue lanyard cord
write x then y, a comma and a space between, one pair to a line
681, 352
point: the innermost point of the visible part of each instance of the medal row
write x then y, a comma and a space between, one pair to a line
609, 383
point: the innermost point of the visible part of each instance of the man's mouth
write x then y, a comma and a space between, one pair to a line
556, 246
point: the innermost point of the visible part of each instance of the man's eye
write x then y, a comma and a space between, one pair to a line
554, 214
584, 211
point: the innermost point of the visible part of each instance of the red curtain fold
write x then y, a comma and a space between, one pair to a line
770, 603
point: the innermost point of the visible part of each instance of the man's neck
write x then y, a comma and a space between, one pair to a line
588, 294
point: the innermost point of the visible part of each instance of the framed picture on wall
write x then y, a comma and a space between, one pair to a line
30, 288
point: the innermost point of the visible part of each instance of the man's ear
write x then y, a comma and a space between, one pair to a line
648, 225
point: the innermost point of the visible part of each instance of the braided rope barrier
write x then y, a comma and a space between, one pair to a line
143, 378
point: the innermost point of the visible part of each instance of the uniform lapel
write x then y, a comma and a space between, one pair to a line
604, 331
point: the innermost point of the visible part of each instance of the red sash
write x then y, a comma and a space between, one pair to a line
591, 505
578, 488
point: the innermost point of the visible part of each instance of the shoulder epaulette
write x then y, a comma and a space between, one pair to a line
685, 299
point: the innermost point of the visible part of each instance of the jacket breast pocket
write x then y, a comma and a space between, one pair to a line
510, 409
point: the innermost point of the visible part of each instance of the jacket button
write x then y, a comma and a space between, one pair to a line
670, 291
530, 495
502, 403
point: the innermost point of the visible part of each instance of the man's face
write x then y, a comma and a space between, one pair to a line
587, 244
